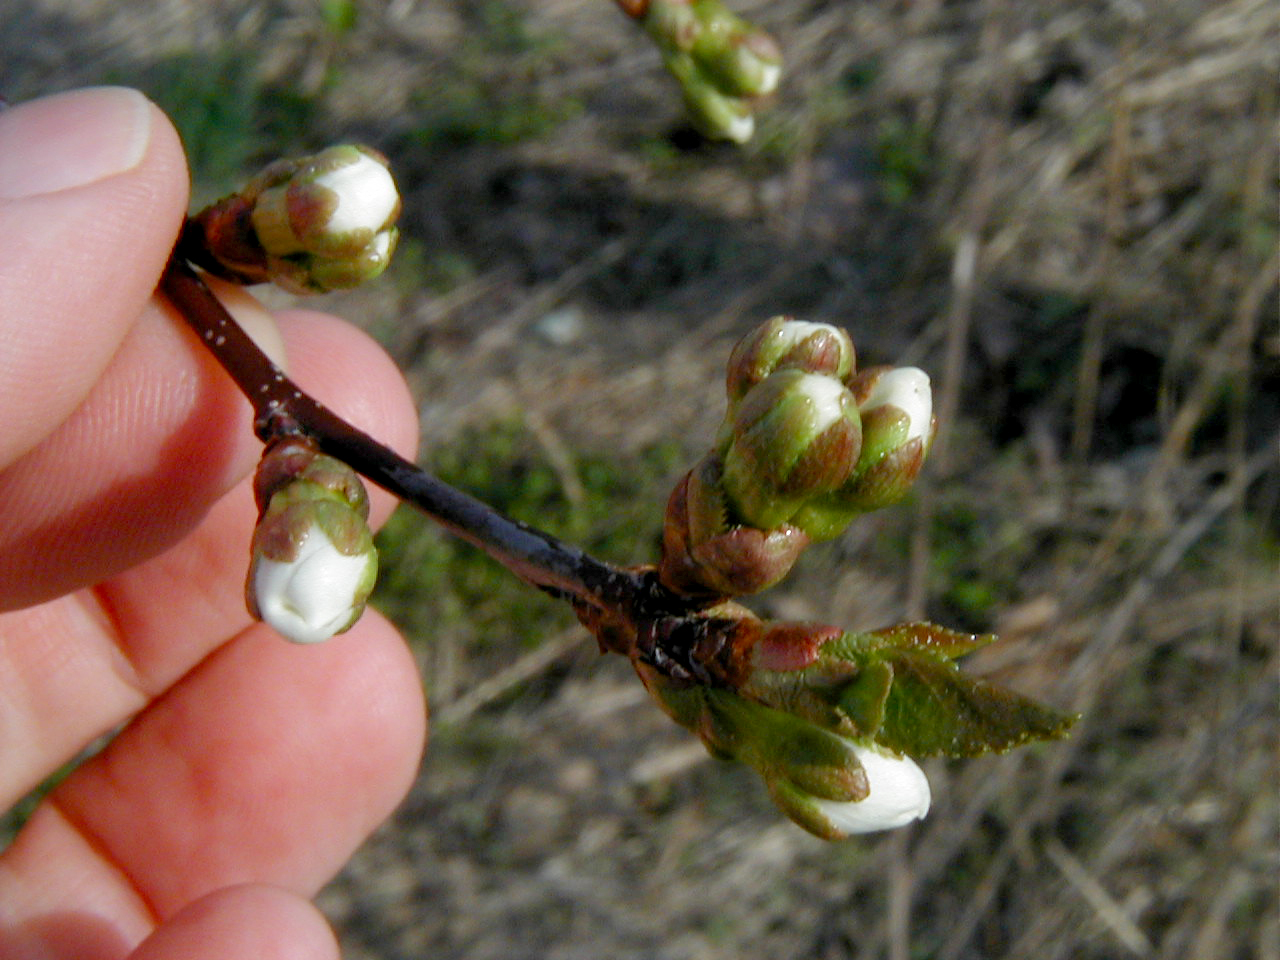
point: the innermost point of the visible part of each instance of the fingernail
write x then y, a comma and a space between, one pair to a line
71, 140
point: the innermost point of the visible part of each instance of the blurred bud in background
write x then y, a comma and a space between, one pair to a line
723, 64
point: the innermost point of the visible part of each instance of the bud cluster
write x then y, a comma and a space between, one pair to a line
314, 224
722, 63
313, 559
824, 770
831, 719
807, 444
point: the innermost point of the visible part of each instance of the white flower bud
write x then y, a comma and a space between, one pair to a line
367, 196
318, 593
906, 388
899, 793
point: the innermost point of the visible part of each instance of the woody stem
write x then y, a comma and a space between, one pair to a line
281, 407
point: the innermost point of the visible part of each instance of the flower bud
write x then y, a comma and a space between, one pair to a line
784, 343
702, 552
897, 793
314, 565
829, 784
717, 115
333, 204
720, 62
672, 24
741, 60
313, 558
311, 225
898, 427
794, 436
906, 390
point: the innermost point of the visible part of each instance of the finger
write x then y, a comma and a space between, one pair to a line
78, 666
159, 438
93, 186
253, 920
268, 763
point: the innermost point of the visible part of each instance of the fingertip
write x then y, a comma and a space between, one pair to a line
345, 368
249, 920
270, 762
393, 688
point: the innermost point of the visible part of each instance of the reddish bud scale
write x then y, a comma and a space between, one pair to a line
766, 349
282, 538
706, 510
635, 9
678, 570
296, 458
792, 646
861, 384
703, 554
747, 560
226, 229
888, 480
738, 560
309, 210
282, 462
827, 462
760, 44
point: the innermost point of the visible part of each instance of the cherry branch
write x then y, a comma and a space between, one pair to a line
282, 408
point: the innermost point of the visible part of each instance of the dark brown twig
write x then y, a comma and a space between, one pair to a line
599, 590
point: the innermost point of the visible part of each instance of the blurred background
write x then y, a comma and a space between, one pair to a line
1065, 211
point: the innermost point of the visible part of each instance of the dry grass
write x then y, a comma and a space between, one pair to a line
1067, 212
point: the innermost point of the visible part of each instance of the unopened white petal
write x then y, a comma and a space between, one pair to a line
906, 388
899, 793
314, 596
831, 399
770, 74
381, 246
796, 330
740, 128
367, 195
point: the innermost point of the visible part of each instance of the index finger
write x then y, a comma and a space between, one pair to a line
77, 666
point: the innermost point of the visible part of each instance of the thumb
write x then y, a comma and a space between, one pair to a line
253, 920
93, 186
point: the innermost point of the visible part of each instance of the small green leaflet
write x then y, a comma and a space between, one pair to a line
919, 703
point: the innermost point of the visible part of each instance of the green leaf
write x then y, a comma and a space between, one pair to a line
864, 699
933, 708
876, 644
929, 636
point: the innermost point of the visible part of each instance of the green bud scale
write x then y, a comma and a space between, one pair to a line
313, 560
722, 63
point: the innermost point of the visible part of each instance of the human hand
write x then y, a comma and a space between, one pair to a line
245, 769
